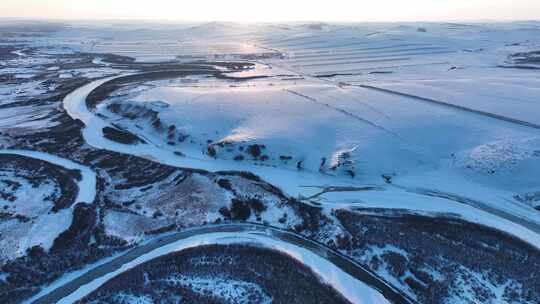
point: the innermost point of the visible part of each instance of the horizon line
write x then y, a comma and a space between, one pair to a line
169, 20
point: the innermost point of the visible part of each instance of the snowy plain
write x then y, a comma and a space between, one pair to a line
434, 118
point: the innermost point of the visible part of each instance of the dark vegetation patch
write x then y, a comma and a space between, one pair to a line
239, 157
447, 246
211, 151
532, 57
241, 152
130, 171
242, 209
268, 273
256, 180
70, 251
117, 59
121, 136
254, 150
225, 184
523, 60
6, 52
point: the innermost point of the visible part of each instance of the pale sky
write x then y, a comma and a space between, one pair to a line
275, 10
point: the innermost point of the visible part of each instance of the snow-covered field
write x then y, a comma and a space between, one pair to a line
299, 130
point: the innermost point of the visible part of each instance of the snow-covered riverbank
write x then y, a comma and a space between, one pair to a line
294, 182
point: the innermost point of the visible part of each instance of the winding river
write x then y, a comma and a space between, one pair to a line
356, 283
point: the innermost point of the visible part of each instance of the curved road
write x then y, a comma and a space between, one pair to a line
241, 233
